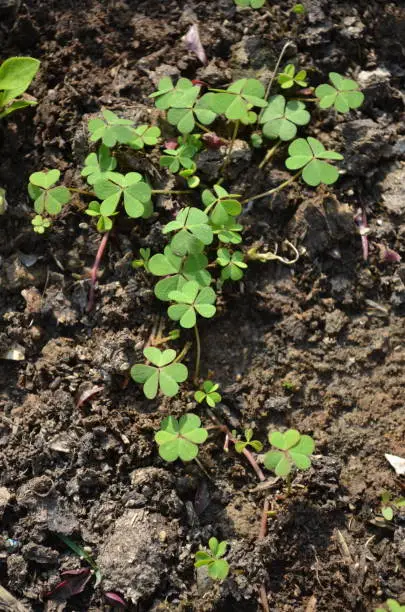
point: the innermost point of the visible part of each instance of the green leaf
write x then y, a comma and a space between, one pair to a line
387, 513
111, 129
45, 179
98, 165
219, 569
165, 376
239, 98
192, 228
191, 299
144, 135
343, 94
281, 118
309, 154
180, 439
16, 74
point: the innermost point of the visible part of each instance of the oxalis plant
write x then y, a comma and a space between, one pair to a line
16, 75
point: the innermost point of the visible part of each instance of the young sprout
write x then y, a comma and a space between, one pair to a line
182, 156
163, 375
177, 271
192, 231
240, 445
288, 78
310, 154
293, 450
144, 135
238, 100
343, 94
143, 261
228, 232
104, 222
233, 265
298, 9
191, 300
132, 187
391, 606
179, 439
254, 4
16, 74
218, 568
186, 110
40, 224
47, 197
221, 206
168, 94
390, 505
208, 393
281, 118
111, 129
98, 165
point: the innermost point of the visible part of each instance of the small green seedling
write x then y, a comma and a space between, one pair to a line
293, 450
163, 375
143, 261
191, 300
132, 187
310, 154
240, 445
343, 94
228, 232
97, 166
40, 224
288, 78
177, 271
192, 231
232, 264
144, 135
254, 4
16, 75
208, 393
221, 205
298, 9
47, 198
111, 130
389, 505
218, 568
104, 222
168, 94
281, 118
179, 439
238, 100
391, 606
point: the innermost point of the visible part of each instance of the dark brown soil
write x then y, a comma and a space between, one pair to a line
318, 345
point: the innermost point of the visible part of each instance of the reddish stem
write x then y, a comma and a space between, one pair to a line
95, 269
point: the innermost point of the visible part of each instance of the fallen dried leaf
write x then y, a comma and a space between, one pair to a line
194, 44
397, 463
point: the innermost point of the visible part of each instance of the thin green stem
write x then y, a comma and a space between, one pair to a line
269, 154
228, 155
183, 352
273, 76
274, 190
202, 127
171, 191
197, 355
91, 194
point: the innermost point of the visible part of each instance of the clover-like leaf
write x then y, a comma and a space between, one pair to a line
221, 205
180, 439
185, 110
98, 165
281, 118
208, 393
344, 94
40, 224
233, 264
288, 78
168, 93
238, 99
111, 129
47, 198
135, 191
144, 135
104, 223
294, 449
228, 232
254, 4
310, 154
163, 374
192, 231
218, 568
191, 300
240, 445
177, 271
392, 606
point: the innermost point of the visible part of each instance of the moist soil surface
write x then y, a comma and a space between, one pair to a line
317, 345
